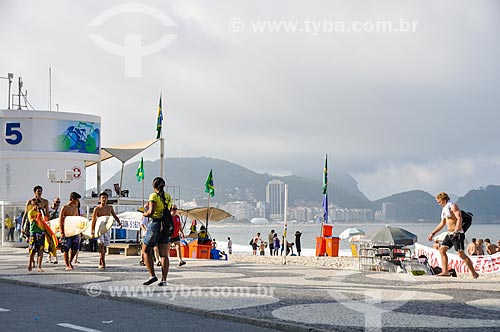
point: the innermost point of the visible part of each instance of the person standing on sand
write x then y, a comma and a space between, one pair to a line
255, 243
452, 218
298, 245
229, 246
103, 209
270, 240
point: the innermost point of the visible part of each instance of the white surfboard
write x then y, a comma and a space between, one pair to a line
102, 225
73, 225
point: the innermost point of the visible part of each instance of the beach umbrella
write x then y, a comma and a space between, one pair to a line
394, 235
357, 238
347, 233
200, 213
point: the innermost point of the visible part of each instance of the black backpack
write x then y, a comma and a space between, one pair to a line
167, 222
466, 220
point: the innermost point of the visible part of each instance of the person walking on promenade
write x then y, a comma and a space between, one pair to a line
229, 246
69, 245
104, 240
451, 218
298, 245
270, 240
158, 202
53, 214
36, 235
175, 238
44, 206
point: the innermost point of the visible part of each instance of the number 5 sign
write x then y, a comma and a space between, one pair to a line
13, 135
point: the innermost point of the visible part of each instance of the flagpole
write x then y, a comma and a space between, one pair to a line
285, 223
142, 192
162, 156
208, 209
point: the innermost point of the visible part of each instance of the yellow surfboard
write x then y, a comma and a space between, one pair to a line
102, 225
73, 225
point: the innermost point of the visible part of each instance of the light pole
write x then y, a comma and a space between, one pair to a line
68, 177
9, 77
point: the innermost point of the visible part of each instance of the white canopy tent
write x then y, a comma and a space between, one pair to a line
124, 153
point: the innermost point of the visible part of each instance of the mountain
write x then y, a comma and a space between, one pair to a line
412, 205
483, 203
234, 182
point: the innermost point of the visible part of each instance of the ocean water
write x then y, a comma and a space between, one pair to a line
241, 234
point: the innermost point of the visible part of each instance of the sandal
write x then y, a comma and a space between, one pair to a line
162, 283
182, 263
150, 281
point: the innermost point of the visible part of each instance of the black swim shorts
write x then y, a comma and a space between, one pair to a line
454, 239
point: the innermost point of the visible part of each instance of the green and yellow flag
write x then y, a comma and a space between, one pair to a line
140, 172
159, 120
209, 185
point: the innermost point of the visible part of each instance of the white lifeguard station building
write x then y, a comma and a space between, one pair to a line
46, 148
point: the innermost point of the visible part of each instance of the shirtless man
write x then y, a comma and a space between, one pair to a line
472, 247
103, 210
491, 248
452, 218
71, 243
44, 207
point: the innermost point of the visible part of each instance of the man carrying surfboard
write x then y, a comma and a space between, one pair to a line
44, 205
37, 235
71, 244
103, 210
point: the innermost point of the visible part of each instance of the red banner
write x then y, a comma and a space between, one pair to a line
482, 264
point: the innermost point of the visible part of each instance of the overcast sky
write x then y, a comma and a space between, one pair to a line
398, 110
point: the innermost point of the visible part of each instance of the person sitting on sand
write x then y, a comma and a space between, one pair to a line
202, 235
491, 248
452, 218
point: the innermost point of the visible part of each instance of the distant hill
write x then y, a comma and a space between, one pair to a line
483, 203
236, 183
412, 205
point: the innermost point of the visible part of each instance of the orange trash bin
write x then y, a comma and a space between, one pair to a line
320, 246
332, 246
327, 230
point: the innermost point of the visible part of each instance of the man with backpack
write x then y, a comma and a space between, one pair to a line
451, 216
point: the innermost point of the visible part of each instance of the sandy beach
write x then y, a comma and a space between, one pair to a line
345, 263
341, 263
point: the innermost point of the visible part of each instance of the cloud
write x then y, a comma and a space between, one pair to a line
393, 109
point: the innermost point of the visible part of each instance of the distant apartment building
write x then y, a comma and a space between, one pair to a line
262, 210
240, 210
275, 197
388, 211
